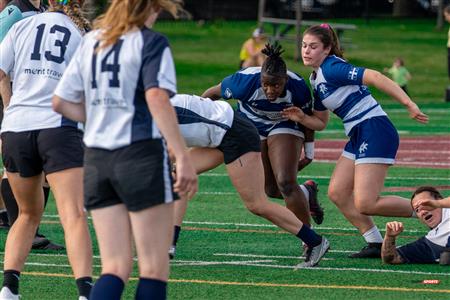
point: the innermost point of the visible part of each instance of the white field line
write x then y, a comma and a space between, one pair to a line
260, 225
212, 174
398, 162
334, 150
257, 263
265, 256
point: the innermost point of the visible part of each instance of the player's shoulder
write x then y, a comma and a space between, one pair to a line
153, 37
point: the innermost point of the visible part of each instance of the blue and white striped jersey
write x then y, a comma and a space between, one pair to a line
203, 122
38, 50
337, 86
245, 86
113, 81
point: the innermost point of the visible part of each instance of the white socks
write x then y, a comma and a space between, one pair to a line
373, 235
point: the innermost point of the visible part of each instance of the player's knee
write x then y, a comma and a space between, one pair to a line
334, 195
287, 186
255, 208
118, 268
31, 217
364, 207
73, 219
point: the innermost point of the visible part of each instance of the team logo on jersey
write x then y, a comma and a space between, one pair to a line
10, 10
363, 147
323, 90
353, 74
228, 94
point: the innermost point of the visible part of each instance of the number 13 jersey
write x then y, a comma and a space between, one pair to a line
37, 49
114, 81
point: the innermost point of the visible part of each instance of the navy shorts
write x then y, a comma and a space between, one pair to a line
373, 141
241, 138
137, 176
421, 251
50, 150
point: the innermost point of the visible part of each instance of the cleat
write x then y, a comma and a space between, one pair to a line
314, 206
172, 251
315, 254
445, 257
43, 243
6, 294
372, 250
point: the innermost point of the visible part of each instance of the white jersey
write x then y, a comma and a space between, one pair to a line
114, 81
203, 122
441, 233
38, 50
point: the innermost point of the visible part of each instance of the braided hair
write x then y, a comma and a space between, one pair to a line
274, 65
72, 8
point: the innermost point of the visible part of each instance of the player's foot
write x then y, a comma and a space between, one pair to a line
40, 242
82, 298
315, 254
172, 251
314, 206
445, 257
6, 294
372, 250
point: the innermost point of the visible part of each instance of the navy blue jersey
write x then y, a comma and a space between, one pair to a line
113, 82
245, 86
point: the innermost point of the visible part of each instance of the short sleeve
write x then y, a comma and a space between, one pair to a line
71, 87
8, 17
158, 68
342, 73
7, 53
238, 86
301, 95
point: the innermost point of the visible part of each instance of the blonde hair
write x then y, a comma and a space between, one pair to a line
124, 15
74, 12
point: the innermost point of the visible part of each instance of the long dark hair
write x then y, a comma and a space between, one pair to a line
327, 36
274, 65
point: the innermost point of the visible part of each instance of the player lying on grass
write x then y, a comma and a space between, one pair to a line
433, 247
225, 136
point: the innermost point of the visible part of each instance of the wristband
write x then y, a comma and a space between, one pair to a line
309, 150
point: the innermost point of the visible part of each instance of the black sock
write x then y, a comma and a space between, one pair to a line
10, 201
11, 280
84, 285
4, 217
309, 236
151, 289
108, 286
176, 234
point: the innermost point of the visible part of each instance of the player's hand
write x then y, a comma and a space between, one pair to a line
416, 114
394, 228
428, 204
293, 113
186, 183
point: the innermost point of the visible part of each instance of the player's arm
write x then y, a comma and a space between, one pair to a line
70, 110
389, 253
213, 92
386, 85
166, 119
5, 90
430, 204
308, 148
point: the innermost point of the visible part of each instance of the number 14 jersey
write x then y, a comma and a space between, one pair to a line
114, 81
37, 49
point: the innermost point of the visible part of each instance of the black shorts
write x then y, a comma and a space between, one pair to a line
50, 150
137, 176
241, 138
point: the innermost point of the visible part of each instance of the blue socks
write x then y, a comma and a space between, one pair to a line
151, 289
107, 287
309, 236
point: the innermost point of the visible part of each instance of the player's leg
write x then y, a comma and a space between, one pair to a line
283, 149
112, 224
152, 231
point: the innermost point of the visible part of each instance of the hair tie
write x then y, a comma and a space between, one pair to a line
63, 2
326, 26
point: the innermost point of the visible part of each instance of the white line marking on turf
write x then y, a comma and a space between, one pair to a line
328, 177
265, 256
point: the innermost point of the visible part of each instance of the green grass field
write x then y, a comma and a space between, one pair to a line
224, 252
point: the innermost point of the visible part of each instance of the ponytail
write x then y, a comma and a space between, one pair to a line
327, 36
